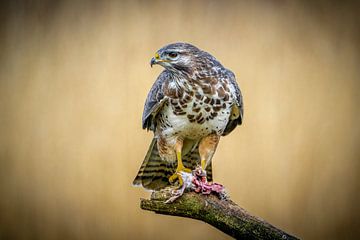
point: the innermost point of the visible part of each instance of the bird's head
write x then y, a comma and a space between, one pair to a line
179, 57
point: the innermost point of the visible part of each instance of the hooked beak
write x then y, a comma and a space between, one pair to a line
152, 62
155, 59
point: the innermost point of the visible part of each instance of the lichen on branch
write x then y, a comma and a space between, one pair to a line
225, 215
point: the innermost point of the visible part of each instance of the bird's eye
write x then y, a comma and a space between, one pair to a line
173, 54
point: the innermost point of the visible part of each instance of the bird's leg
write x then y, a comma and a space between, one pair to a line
207, 147
180, 166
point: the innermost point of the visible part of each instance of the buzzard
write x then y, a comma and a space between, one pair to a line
193, 102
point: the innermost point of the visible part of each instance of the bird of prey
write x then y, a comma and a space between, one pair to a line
193, 102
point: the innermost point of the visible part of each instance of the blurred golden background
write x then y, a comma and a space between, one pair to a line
73, 79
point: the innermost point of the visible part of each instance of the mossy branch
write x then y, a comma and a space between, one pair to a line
222, 214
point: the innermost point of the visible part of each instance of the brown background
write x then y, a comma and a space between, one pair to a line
73, 79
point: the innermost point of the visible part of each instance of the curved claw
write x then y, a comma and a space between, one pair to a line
177, 175
173, 178
185, 181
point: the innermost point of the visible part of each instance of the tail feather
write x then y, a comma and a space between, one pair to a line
155, 172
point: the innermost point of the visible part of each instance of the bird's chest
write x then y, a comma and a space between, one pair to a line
195, 114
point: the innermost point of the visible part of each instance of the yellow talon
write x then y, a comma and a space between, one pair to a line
203, 163
180, 168
173, 177
177, 174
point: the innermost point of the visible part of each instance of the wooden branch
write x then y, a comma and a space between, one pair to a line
222, 214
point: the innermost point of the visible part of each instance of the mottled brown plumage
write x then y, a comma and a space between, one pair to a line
194, 101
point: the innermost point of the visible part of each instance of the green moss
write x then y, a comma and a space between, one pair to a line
224, 215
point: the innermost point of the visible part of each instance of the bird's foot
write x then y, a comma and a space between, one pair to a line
178, 174
196, 181
201, 185
185, 181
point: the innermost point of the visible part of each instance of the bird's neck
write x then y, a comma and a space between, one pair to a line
180, 80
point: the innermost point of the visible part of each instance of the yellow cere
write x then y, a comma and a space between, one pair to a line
157, 56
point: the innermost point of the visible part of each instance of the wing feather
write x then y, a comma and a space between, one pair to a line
154, 102
238, 106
